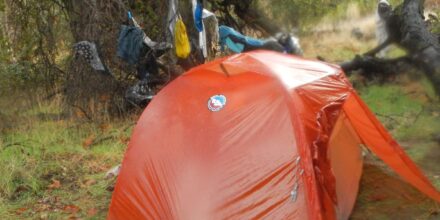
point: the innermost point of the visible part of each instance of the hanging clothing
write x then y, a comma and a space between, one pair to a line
89, 52
183, 48
150, 43
136, 48
238, 42
147, 67
172, 18
140, 94
234, 46
199, 14
290, 43
133, 21
235, 40
207, 15
131, 44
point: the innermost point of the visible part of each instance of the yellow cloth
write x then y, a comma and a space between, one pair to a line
183, 48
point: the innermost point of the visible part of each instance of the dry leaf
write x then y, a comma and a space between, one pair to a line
88, 141
55, 184
124, 139
79, 114
43, 207
105, 127
21, 210
104, 98
71, 209
90, 182
73, 217
92, 212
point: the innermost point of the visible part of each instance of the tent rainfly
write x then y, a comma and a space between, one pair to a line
251, 136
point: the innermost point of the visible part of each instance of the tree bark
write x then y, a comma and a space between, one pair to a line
420, 43
97, 21
372, 66
409, 31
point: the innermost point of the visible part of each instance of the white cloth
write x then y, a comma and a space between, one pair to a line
207, 14
172, 18
202, 35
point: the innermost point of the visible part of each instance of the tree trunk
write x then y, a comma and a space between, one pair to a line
423, 46
97, 21
408, 30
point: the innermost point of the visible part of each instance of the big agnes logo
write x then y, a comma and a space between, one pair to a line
216, 103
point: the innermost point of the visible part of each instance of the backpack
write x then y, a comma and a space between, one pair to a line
183, 48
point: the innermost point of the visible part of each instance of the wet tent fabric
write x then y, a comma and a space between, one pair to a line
286, 144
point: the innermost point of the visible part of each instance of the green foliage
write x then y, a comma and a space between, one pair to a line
33, 34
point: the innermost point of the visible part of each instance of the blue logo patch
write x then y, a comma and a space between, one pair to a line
216, 103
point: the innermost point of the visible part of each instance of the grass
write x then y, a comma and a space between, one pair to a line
37, 153
408, 111
408, 117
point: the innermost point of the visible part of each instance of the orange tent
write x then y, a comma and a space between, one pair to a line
255, 135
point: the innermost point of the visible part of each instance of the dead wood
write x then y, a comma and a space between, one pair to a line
406, 27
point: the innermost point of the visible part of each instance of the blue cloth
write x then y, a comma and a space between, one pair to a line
131, 45
238, 42
236, 37
198, 17
236, 47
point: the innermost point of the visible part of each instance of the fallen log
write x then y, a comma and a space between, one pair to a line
406, 27
371, 66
